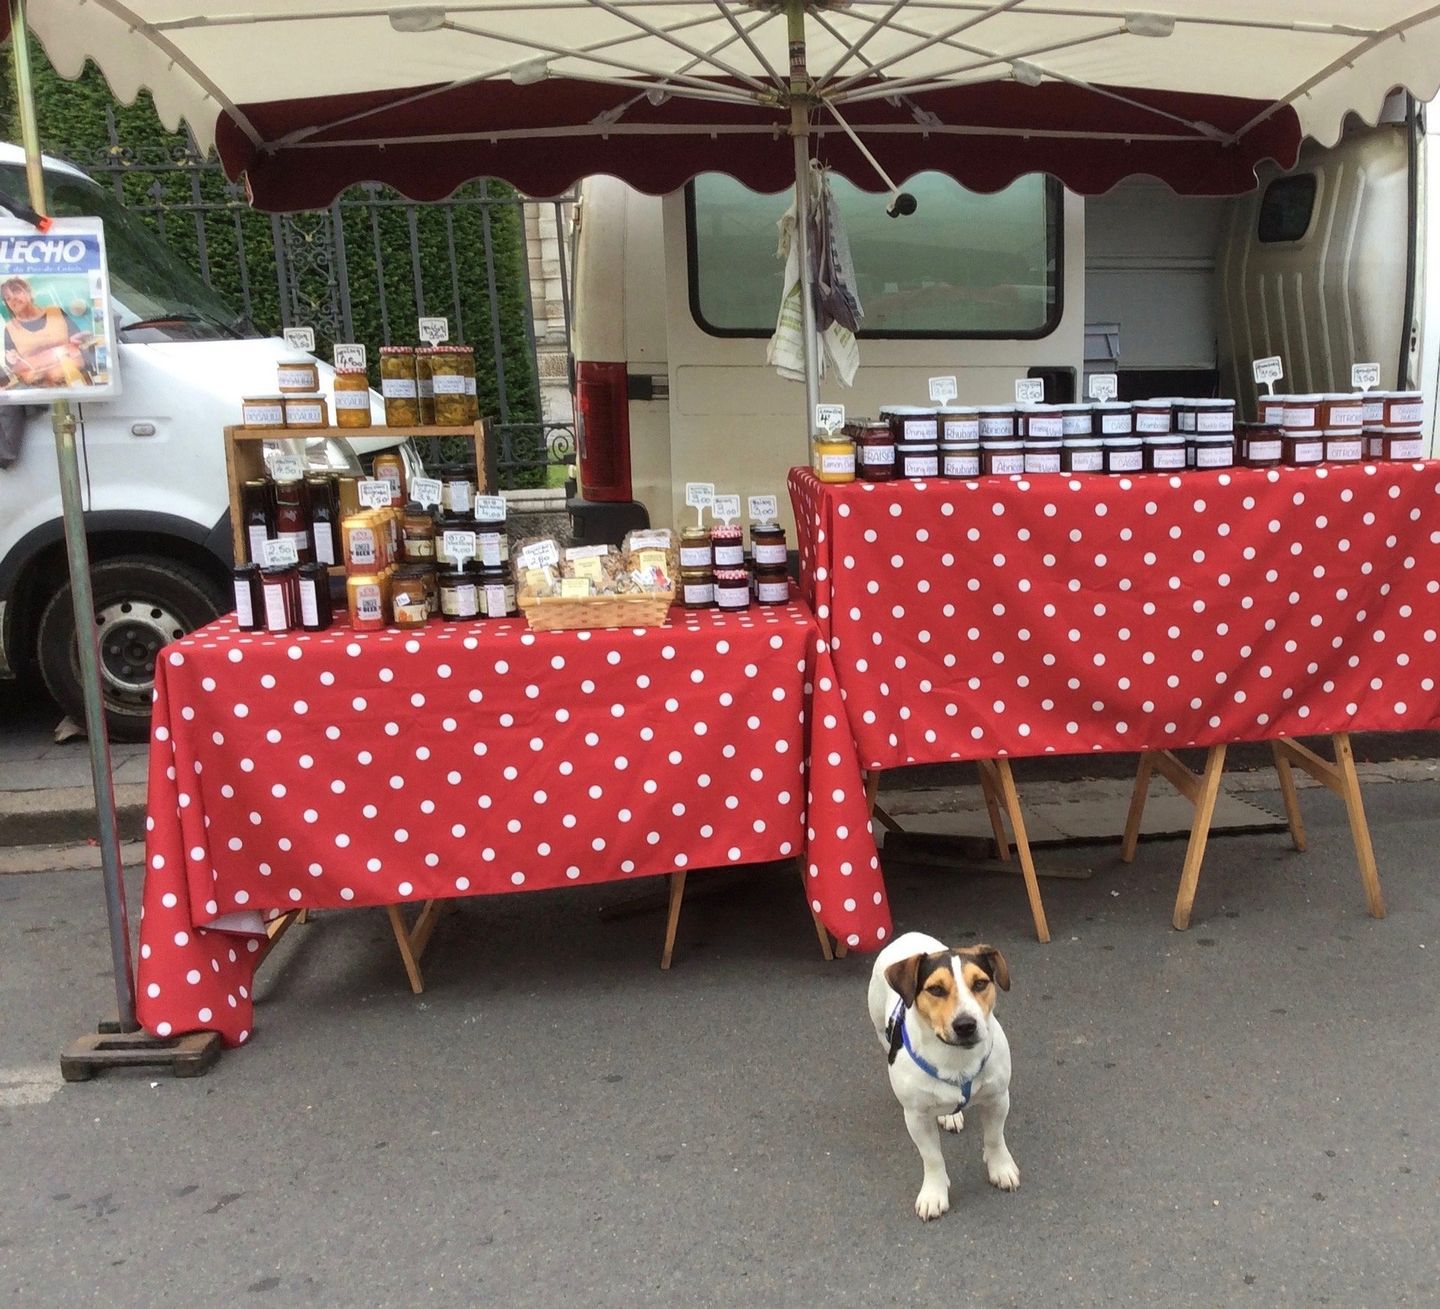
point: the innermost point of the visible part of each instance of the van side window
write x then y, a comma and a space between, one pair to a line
1286, 209
963, 265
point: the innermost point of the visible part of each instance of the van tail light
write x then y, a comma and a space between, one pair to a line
603, 403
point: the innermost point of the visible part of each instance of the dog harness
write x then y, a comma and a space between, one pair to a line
899, 1036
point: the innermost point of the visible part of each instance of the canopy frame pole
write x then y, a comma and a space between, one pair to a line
62, 422
800, 132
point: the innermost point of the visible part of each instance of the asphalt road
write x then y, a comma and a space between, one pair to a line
1243, 1114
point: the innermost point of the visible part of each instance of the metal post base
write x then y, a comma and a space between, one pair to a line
192, 1055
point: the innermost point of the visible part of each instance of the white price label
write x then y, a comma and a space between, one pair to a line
543, 554
280, 554
375, 493
943, 389
300, 338
727, 507
1269, 371
700, 495
829, 417
458, 546
490, 508
426, 490
1030, 390
1104, 386
349, 356
434, 331
287, 468
763, 509
1363, 377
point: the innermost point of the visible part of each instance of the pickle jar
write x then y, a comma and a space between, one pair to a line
352, 398
425, 384
398, 385
447, 386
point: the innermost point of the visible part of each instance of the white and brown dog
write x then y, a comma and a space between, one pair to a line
934, 1011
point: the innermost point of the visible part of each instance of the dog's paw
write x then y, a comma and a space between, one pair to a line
953, 1122
1003, 1172
932, 1202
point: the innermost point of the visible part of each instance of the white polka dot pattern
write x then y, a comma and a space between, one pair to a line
1028, 616
480, 758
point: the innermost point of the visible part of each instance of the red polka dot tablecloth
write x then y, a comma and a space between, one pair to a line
342, 769
1060, 614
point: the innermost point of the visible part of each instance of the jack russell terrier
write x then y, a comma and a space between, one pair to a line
934, 1012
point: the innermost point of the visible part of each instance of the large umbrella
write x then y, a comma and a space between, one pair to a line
303, 98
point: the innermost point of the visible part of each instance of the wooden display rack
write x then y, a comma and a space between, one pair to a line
245, 455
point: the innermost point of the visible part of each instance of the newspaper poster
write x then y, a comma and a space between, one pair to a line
55, 313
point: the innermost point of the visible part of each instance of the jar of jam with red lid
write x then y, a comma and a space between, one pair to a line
767, 545
732, 588
772, 585
874, 451
1261, 445
1300, 449
728, 543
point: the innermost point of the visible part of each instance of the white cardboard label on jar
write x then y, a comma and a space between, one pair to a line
497, 601
1153, 424
763, 509
459, 545
309, 603
349, 355
726, 508
829, 417
769, 554
1400, 415
353, 400
362, 545
921, 465
304, 413
772, 592
1076, 424
300, 338
426, 490
837, 463
1263, 450
291, 377
276, 619
691, 556
244, 609
434, 331
962, 465
961, 429
258, 415
699, 495
490, 550
1269, 371
1363, 377
920, 429
731, 597
1298, 418
943, 389
1087, 461
281, 554
1214, 420
1165, 460
1042, 463
729, 556
1407, 449
998, 425
1007, 464
1308, 452
376, 493
447, 384
490, 508
1104, 386
462, 601
1350, 416
699, 593
1347, 451
877, 456
1126, 461
1045, 427
323, 542
1222, 456
1117, 424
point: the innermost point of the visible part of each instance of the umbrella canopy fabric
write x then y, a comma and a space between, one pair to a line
306, 97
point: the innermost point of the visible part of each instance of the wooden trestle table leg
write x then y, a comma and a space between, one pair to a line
992, 807
672, 920
1291, 797
413, 940
1002, 783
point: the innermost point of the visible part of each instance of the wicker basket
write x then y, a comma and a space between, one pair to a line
556, 613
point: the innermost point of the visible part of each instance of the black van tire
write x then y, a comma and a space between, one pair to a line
141, 604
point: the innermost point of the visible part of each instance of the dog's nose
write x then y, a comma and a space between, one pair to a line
965, 1029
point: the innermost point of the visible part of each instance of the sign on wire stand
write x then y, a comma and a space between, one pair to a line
55, 309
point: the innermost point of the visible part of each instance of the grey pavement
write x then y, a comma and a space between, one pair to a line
1243, 1114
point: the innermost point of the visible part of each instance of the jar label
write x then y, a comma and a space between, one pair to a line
306, 413
966, 465
1087, 461
1045, 427
352, 399
277, 617
1076, 425
470, 384
1152, 423
875, 456
838, 465
1414, 449
399, 388
1262, 450
457, 497
1375, 446
411, 611
1042, 462
1214, 456
445, 384
263, 415
769, 554
1007, 463
362, 545
699, 593
919, 429
420, 547
729, 556
961, 429
1164, 461
1117, 424
1213, 420
298, 378
369, 603
499, 600
1347, 416
390, 474
309, 604
460, 601
297, 541
1189, 420
1345, 452
1372, 411
492, 549
772, 592
257, 543
244, 609
1126, 461
1412, 412
998, 425
695, 556
732, 597
1307, 452
427, 388
921, 465
1298, 417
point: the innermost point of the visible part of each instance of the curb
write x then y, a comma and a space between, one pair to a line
62, 815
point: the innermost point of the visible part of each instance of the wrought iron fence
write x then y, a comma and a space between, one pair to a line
364, 269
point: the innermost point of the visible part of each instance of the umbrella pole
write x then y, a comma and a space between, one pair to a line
800, 135
62, 422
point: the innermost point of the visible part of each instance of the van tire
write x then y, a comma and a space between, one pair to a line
141, 603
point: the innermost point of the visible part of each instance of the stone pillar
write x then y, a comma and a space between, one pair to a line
543, 237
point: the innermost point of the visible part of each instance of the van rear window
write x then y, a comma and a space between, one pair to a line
963, 265
1286, 209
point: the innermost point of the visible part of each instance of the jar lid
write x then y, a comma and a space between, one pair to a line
397, 349
957, 409
1213, 438
1121, 440
414, 508
1112, 406
1403, 395
726, 530
695, 534
263, 400
1165, 438
303, 399
1213, 403
991, 444
1304, 399
995, 409
1039, 409
905, 411
766, 525
1404, 430
1155, 403
348, 370
732, 575
1300, 433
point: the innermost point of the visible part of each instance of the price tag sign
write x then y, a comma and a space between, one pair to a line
375, 494
434, 331
458, 546
1269, 371
349, 356
943, 389
1030, 391
543, 554
829, 417
700, 495
490, 508
426, 490
287, 468
763, 509
1363, 377
280, 554
300, 338
727, 507
1104, 386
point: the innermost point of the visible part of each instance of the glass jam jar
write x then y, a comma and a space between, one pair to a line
1043, 422
279, 590
313, 594
959, 424
695, 549
263, 411
772, 585
997, 423
1152, 417
306, 411
409, 602
1271, 410
457, 488
960, 458
1342, 412
492, 545
1076, 421
1373, 424
425, 384
1344, 447
1213, 450
998, 458
1207, 417
495, 588
1113, 418
874, 451
1302, 412
833, 458
1404, 409
917, 459
1124, 454
911, 423
732, 588
1164, 454
697, 588
1260, 446
1082, 453
418, 546
1403, 443
728, 544
767, 545
298, 375
352, 398
1299, 449
459, 596
1042, 453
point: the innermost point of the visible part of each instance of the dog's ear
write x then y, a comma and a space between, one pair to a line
904, 977
991, 960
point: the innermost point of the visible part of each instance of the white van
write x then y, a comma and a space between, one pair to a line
152, 470
676, 297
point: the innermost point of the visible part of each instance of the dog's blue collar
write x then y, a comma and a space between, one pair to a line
961, 1084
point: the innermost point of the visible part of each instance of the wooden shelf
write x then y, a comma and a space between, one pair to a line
362, 433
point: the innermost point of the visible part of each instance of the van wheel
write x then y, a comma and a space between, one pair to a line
141, 605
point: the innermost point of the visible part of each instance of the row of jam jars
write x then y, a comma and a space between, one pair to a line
282, 599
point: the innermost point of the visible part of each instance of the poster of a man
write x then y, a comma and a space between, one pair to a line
54, 313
